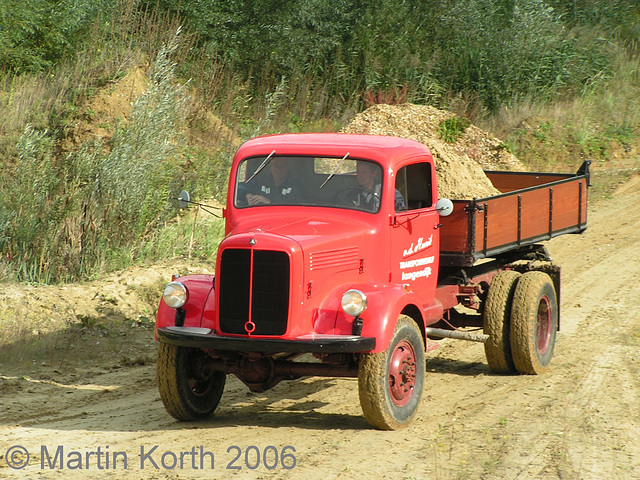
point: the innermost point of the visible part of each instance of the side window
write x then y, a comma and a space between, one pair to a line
413, 183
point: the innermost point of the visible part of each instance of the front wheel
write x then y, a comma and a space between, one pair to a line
188, 388
390, 383
534, 323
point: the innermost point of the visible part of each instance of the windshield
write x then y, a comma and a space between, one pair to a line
340, 182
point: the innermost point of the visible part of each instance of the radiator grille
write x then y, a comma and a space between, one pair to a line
263, 288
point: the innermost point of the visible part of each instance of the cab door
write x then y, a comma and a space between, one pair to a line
415, 238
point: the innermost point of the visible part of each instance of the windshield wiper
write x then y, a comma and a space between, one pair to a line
262, 165
332, 174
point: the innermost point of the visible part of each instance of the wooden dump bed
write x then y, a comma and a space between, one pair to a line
532, 207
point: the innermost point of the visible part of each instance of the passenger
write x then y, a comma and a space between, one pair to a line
275, 188
368, 196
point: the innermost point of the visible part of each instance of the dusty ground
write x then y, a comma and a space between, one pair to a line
92, 389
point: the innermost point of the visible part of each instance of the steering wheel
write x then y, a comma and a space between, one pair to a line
347, 197
241, 195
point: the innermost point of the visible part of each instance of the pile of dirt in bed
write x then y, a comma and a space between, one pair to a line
459, 165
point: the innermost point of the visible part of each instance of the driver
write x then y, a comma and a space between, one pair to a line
275, 188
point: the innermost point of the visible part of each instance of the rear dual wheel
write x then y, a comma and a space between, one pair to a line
497, 321
521, 319
390, 383
534, 323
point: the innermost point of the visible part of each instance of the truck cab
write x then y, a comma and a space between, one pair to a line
358, 214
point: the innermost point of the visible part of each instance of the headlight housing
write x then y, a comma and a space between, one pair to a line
175, 294
354, 302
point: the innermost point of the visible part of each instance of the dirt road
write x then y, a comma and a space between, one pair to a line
580, 420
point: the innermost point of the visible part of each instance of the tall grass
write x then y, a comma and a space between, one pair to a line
549, 81
66, 216
558, 135
52, 98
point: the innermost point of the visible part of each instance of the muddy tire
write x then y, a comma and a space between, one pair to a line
534, 323
390, 383
497, 321
188, 390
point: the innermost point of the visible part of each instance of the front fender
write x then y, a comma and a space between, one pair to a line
384, 306
199, 288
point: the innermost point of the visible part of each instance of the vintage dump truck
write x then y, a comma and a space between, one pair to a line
341, 260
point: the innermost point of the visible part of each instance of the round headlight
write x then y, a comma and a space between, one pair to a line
354, 302
175, 294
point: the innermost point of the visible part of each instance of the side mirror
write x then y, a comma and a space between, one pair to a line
183, 199
444, 207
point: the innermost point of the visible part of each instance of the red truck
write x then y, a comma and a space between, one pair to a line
341, 260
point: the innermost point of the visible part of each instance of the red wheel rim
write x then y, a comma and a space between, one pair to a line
543, 327
402, 373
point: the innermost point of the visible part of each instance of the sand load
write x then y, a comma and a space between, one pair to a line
459, 165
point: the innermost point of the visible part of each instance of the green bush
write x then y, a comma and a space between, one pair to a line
37, 34
496, 48
452, 128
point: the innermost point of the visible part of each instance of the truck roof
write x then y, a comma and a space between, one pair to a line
383, 149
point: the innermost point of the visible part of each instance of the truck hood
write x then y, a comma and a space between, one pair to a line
313, 232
